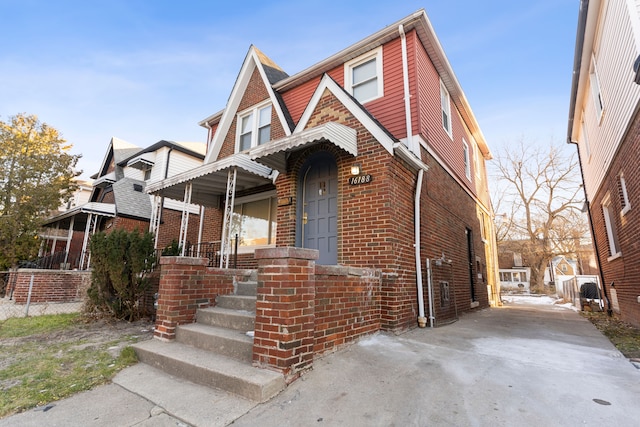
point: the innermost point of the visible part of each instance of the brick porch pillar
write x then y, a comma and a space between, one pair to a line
284, 329
181, 292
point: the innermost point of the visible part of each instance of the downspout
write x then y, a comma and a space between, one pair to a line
422, 320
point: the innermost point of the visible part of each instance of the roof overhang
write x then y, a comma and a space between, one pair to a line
210, 180
105, 180
142, 162
80, 214
274, 154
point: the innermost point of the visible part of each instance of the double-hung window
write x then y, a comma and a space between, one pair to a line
610, 225
363, 76
467, 159
445, 103
596, 93
254, 127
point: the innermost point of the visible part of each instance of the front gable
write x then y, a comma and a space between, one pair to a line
252, 86
321, 110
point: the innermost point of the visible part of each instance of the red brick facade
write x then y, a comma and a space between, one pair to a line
622, 272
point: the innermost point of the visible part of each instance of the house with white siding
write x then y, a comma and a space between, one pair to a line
604, 125
117, 200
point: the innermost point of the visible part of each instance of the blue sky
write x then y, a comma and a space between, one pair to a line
144, 70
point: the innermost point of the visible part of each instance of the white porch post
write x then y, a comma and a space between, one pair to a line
154, 224
69, 237
87, 229
184, 224
94, 221
225, 246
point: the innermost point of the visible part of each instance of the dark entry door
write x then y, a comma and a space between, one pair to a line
320, 207
472, 282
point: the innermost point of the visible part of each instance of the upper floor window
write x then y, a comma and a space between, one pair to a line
363, 76
596, 93
445, 102
254, 127
624, 195
466, 159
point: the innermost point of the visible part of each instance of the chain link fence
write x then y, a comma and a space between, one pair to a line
29, 302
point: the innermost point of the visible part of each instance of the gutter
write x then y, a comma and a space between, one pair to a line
577, 65
422, 320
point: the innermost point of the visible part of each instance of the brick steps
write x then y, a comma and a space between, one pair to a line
217, 350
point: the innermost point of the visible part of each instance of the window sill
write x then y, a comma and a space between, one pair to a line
614, 256
251, 249
625, 210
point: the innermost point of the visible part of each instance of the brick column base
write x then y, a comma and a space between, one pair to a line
284, 329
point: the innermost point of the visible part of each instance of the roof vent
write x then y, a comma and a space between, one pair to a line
137, 187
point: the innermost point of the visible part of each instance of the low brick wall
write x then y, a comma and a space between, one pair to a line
302, 309
187, 284
347, 305
54, 286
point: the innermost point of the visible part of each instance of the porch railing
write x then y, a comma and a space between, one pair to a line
211, 251
62, 260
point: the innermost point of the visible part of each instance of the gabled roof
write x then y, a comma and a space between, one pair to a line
420, 22
130, 198
354, 107
195, 149
117, 150
270, 73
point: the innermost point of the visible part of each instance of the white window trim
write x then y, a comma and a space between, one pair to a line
350, 65
596, 90
614, 250
625, 195
249, 199
255, 110
446, 109
467, 159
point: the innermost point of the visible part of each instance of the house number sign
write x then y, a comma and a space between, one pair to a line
360, 179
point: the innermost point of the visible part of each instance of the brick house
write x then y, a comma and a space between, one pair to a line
604, 125
372, 157
117, 201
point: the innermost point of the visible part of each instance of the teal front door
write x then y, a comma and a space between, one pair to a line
319, 209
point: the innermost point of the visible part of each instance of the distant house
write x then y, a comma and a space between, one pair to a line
603, 124
117, 200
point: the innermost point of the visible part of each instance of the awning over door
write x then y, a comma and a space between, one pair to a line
274, 154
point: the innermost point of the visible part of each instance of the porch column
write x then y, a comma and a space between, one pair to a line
184, 224
285, 313
69, 237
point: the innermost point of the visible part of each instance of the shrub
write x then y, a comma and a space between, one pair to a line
121, 262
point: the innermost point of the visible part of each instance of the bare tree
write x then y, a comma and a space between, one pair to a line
538, 201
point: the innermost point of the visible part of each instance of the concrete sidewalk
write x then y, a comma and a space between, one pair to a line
514, 366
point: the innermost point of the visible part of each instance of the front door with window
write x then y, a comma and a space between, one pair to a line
318, 210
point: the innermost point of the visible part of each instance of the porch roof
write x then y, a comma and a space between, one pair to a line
80, 215
274, 154
210, 180
256, 167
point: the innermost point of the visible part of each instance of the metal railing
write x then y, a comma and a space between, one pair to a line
57, 261
209, 250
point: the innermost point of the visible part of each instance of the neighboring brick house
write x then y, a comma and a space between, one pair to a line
604, 124
372, 156
118, 201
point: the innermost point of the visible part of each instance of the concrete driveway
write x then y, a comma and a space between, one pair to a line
520, 365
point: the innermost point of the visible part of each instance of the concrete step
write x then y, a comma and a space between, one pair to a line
226, 318
211, 370
227, 342
237, 302
247, 288
191, 403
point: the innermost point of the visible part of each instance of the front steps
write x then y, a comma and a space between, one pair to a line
216, 351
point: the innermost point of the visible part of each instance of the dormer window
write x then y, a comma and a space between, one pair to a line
363, 76
254, 127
